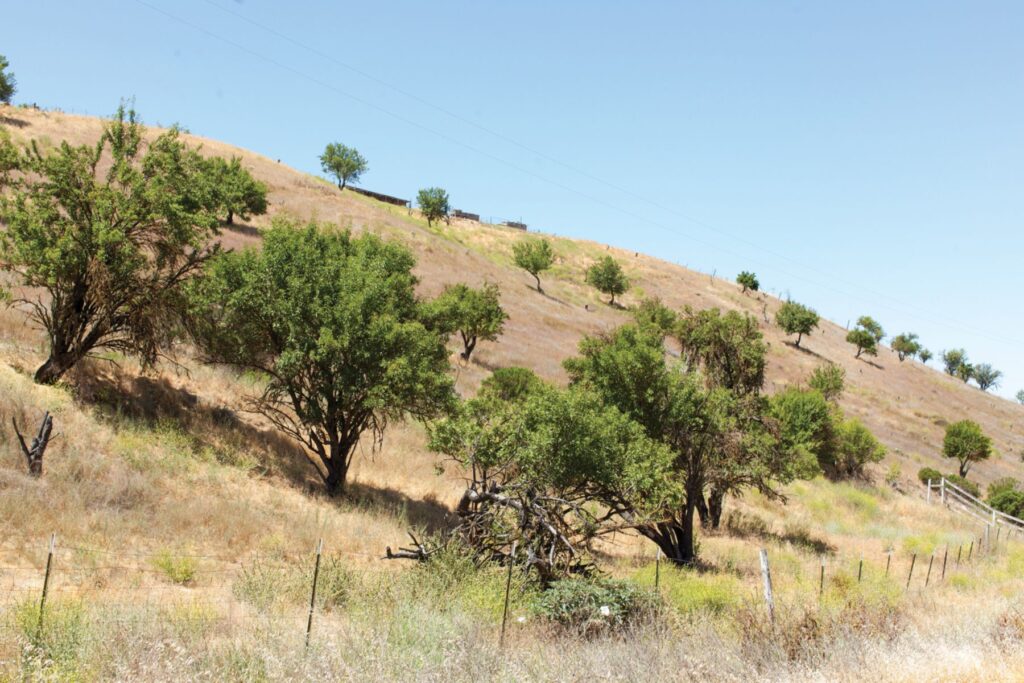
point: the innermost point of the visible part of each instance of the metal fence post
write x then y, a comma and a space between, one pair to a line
508, 588
312, 597
46, 585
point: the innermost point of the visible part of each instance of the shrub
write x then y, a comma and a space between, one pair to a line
510, 384
8, 84
1009, 501
593, 606
830, 380
180, 570
1000, 485
926, 473
965, 484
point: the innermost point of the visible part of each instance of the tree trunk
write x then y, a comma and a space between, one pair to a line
335, 481
54, 367
470, 344
538, 282
703, 513
799, 336
859, 350
964, 466
612, 302
716, 502
231, 218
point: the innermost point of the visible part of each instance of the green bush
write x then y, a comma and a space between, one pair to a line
180, 570
965, 484
1009, 501
591, 606
1001, 485
926, 473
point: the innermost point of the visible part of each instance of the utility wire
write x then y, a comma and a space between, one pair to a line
901, 307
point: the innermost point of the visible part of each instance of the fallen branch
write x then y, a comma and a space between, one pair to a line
34, 455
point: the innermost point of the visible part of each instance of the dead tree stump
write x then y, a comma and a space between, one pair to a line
34, 455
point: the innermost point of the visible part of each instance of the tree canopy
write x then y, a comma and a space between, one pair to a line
829, 380
986, 376
109, 232
1020, 396
865, 336
8, 84
474, 313
747, 280
924, 355
796, 319
552, 470
236, 192
332, 323
534, 256
953, 359
906, 345
965, 442
607, 277
433, 202
346, 164
720, 441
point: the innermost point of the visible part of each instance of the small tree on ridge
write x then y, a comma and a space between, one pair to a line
346, 164
433, 202
607, 277
534, 256
796, 319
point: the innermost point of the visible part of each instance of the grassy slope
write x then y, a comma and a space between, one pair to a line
169, 461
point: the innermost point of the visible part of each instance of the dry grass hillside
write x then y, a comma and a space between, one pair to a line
191, 521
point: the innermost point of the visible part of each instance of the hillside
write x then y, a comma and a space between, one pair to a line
906, 404
168, 465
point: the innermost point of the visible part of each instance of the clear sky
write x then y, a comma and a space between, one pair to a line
861, 157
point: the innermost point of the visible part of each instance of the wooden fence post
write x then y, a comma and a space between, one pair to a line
46, 586
821, 581
928, 495
888, 561
508, 588
657, 569
942, 491
860, 568
928, 576
958, 554
945, 556
970, 550
913, 561
312, 597
766, 574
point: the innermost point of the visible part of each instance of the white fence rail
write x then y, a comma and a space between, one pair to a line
955, 498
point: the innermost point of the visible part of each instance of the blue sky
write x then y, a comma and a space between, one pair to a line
863, 158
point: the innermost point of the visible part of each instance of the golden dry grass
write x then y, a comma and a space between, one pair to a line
168, 462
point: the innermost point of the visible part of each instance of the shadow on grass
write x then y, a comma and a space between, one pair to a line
155, 403
11, 121
803, 349
742, 525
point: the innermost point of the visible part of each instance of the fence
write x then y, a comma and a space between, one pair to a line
957, 499
126, 581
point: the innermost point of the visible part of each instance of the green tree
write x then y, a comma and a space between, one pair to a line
829, 380
856, 447
1009, 502
796, 319
607, 277
433, 202
924, 355
953, 359
510, 384
986, 376
551, 470
863, 340
8, 84
714, 435
332, 323
865, 336
747, 280
1000, 485
906, 345
966, 442
870, 325
534, 256
346, 164
965, 372
653, 312
109, 232
474, 313
729, 349
235, 190
1020, 396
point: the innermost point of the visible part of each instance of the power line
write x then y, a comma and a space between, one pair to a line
901, 307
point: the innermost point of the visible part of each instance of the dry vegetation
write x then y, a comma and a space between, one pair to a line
185, 526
